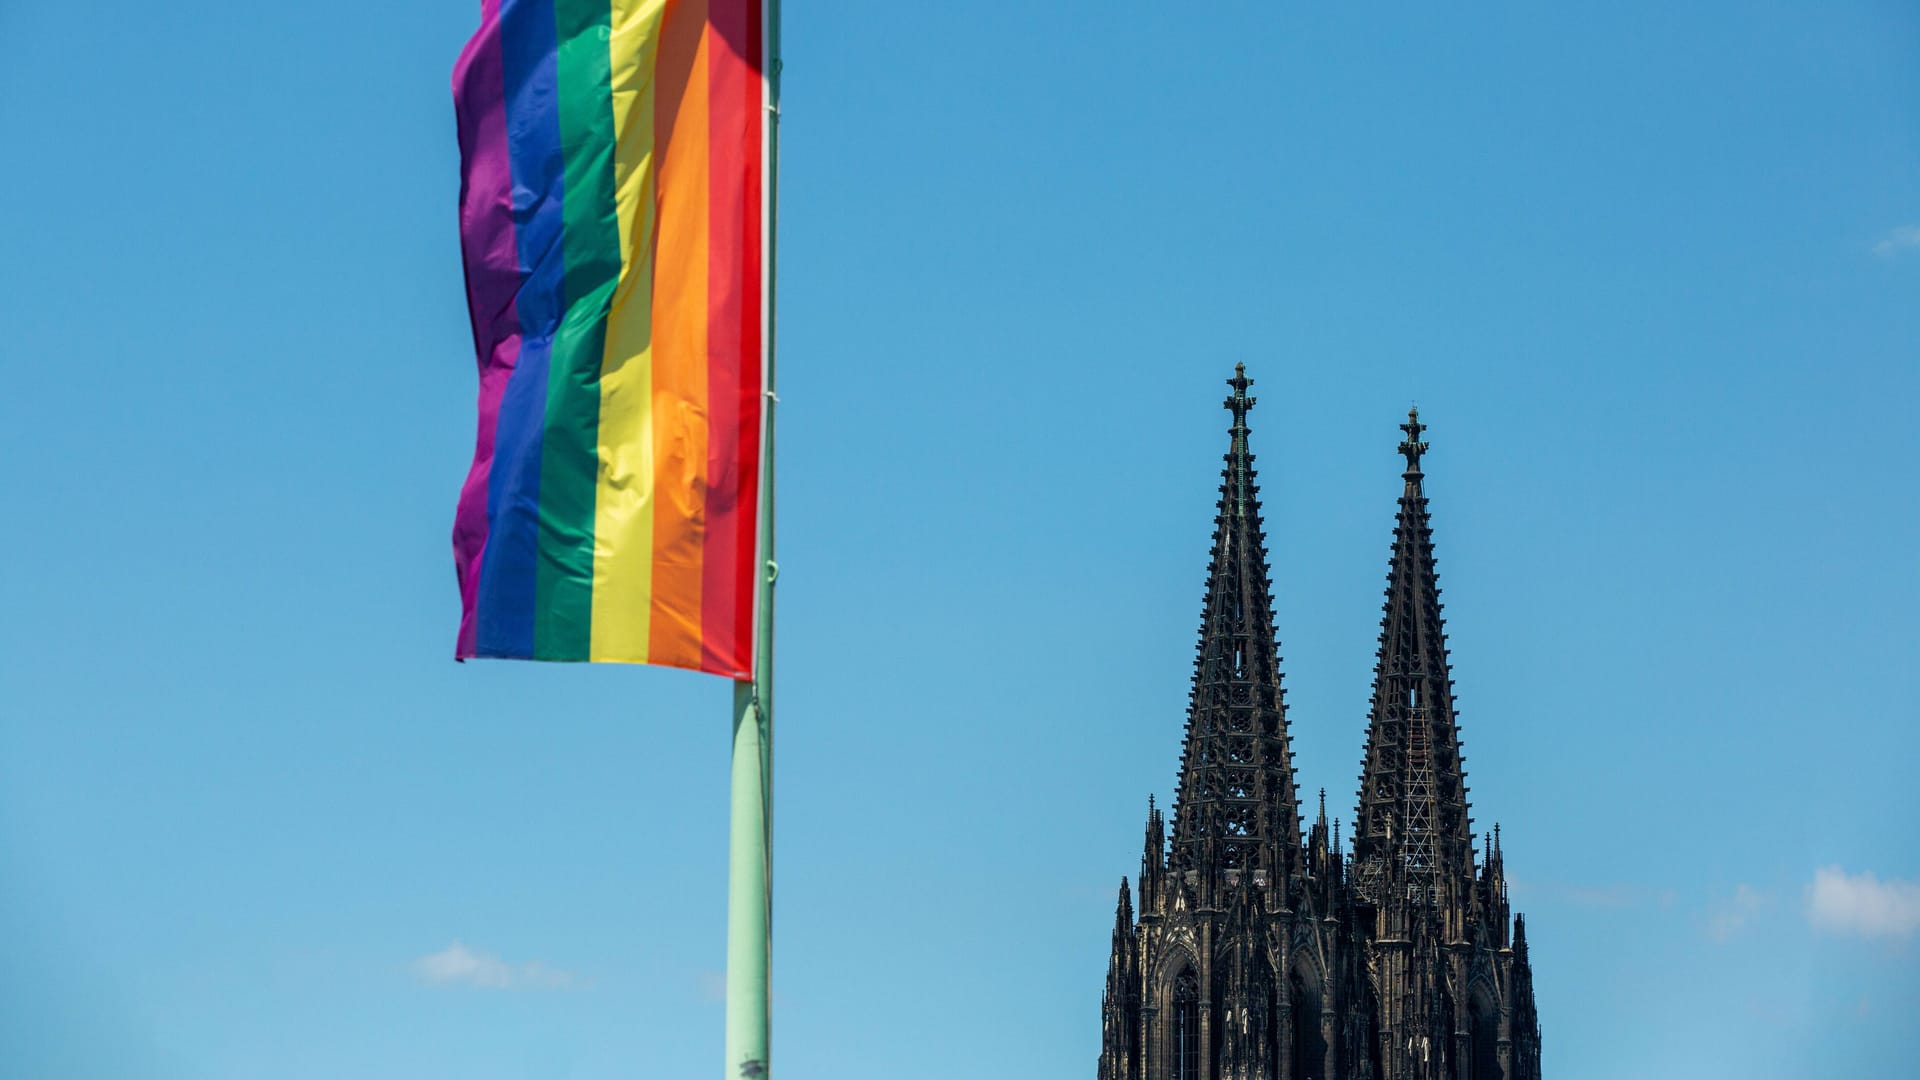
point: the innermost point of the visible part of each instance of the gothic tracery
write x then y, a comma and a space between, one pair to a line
1264, 953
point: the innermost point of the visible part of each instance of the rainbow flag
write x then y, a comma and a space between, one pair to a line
612, 220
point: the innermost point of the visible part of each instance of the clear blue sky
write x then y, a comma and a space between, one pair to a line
1652, 275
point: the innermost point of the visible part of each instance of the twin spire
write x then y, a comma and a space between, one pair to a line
1237, 807
1412, 819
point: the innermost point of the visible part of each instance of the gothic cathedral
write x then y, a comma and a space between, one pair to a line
1260, 953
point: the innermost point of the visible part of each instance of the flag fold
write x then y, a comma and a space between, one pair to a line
612, 223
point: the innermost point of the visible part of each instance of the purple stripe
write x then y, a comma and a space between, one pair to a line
493, 279
507, 600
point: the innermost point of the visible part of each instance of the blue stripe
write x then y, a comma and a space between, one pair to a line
507, 601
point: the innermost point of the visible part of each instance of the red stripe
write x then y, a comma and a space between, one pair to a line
753, 323
734, 335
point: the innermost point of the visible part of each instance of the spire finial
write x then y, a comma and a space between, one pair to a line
1412, 447
1238, 405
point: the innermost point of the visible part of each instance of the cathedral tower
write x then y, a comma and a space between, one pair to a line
1235, 808
1260, 952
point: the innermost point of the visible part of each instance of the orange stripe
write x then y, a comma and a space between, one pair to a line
680, 337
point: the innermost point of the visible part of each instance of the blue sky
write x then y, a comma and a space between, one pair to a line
1651, 275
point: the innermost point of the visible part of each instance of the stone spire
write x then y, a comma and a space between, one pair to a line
1412, 823
1236, 807
1119, 1053
1153, 859
1246, 954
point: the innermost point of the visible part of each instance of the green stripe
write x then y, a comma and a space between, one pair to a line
570, 458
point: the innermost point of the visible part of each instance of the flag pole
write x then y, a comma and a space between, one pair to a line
750, 830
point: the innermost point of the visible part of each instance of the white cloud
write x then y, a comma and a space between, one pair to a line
1733, 915
535, 975
1862, 904
457, 965
1906, 236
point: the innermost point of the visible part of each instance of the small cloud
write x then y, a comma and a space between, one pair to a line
1732, 916
457, 965
1900, 239
1863, 905
535, 975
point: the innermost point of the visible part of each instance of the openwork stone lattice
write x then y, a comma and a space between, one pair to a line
1262, 951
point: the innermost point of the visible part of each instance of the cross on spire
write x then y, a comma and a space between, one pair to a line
1238, 405
1412, 447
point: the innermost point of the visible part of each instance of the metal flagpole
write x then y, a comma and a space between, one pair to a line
750, 833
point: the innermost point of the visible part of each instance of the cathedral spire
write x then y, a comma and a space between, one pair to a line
1236, 806
1411, 447
1413, 797
1240, 461
1241, 953
1153, 859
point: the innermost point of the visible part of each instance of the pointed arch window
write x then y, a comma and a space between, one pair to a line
1485, 1021
1309, 1050
1186, 1027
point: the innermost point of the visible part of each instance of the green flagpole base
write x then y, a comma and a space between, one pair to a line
749, 908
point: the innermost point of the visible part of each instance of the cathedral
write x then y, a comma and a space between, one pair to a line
1263, 949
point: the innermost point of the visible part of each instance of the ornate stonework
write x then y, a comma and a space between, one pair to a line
1260, 953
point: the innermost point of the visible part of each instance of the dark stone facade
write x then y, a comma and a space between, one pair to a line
1262, 950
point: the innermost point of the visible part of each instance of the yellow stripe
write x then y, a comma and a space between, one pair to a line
624, 509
